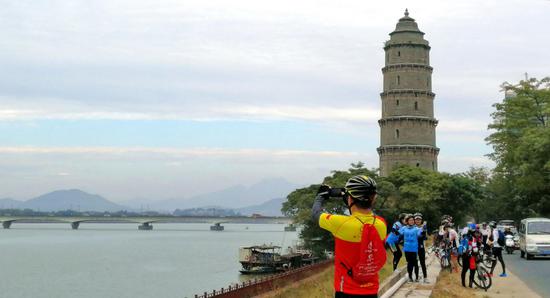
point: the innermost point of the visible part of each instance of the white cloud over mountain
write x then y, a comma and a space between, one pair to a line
308, 66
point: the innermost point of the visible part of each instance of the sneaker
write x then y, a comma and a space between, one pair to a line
503, 275
426, 281
416, 280
411, 280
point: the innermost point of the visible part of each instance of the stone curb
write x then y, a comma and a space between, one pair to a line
396, 280
390, 282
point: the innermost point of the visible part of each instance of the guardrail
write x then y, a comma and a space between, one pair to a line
262, 285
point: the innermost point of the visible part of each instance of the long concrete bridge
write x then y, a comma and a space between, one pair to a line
145, 223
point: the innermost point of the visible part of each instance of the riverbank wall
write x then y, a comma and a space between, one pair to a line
266, 284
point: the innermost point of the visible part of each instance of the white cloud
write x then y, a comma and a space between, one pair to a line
159, 173
243, 60
458, 164
323, 113
462, 125
177, 152
124, 59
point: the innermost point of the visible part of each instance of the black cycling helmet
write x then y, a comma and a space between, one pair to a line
361, 187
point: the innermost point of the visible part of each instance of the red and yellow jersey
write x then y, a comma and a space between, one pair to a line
347, 232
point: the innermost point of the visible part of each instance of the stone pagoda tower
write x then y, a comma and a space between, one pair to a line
407, 127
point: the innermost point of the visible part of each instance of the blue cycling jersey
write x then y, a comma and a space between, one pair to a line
393, 236
410, 236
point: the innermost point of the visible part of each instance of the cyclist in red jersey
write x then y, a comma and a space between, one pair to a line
360, 194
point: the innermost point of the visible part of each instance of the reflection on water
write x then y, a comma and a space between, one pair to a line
117, 260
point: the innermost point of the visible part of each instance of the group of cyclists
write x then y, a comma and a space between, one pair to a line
486, 238
359, 238
469, 246
410, 229
464, 246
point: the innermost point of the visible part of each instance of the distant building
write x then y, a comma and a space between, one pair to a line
407, 126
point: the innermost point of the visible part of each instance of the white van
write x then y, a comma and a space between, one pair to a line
534, 237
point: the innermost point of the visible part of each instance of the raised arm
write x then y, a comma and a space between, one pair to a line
317, 208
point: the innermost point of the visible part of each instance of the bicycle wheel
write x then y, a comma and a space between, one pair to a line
482, 278
443, 262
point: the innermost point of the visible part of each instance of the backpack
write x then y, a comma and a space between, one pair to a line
463, 247
500, 240
372, 256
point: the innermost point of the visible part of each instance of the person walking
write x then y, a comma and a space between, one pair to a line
485, 232
410, 234
394, 239
359, 251
421, 247
497, 242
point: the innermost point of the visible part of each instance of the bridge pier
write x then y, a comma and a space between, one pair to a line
6, 224
75, 225
146, 226
217, 227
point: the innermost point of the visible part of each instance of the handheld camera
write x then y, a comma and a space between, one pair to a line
337, 192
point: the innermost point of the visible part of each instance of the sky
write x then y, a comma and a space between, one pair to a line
168, 99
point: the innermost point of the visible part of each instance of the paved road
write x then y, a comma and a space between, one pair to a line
534, 273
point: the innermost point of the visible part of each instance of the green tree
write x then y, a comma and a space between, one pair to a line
433, 194
407, 189
299, 203
521, 143
485, 205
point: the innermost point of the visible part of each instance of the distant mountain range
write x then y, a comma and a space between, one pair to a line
72, 199
10, 204
265, 197
269, 208
234, 197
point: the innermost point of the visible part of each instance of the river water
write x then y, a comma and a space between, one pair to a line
118, 260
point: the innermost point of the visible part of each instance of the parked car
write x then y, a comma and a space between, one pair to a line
534, 237
506, 222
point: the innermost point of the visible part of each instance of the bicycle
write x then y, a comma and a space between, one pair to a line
482, 278
487, 257
433, 250
445, 259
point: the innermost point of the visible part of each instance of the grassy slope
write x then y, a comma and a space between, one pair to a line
449, 285
321, 284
